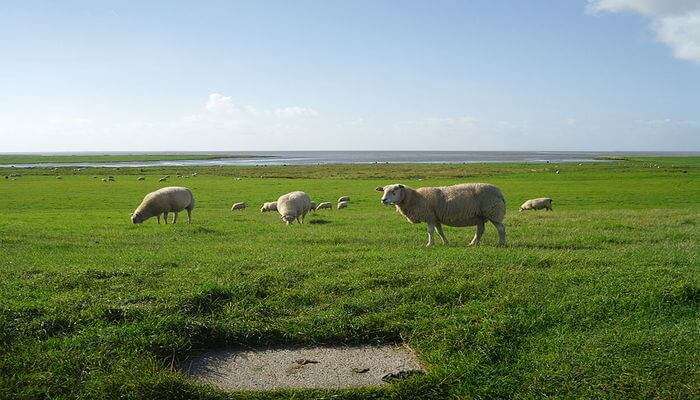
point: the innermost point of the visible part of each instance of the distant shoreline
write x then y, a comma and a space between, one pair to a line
194, 159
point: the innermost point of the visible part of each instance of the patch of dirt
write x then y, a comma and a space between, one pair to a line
308, 367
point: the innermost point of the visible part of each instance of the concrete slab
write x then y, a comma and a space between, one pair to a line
308, 367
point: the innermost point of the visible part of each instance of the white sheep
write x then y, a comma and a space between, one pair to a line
537, 204
141, 178
466, 204
293, 206
269, 206
343, 204
162, 201
343, 198
324, 205
238, 206
163, 179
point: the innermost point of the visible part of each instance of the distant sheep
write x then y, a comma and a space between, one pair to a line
343, 198
269, 206
59, 177
324, 205
293, 206
141, 178
458, 205
163, 179
343, 204
238, 206
537, 204
163, 201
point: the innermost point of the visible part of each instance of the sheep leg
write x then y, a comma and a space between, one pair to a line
175, 217
158, 218
501, 232
189, 215
477, 235
165, 217
441, 233
431, 229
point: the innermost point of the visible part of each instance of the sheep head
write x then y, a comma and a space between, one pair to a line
392, 194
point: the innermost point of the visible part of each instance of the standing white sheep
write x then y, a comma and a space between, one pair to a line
467, 204
162, 201
269, 206
537, 204
293, 206
343, 198
343, 204
238, 206
324, 205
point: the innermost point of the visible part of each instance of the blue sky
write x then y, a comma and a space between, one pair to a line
341, 75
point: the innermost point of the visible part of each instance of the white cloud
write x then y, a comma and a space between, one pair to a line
675, 23
295, 112
218, 103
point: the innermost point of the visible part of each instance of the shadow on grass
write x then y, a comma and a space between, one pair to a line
554, 246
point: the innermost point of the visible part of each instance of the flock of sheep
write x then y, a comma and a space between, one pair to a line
469, 204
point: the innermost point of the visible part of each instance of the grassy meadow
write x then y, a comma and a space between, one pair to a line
597, 299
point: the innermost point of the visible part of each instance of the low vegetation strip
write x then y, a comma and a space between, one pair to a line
598, 298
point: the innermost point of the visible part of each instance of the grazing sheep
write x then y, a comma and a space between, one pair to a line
343, 204
343, 198
269, 206
238, 206
162, 201
466, 204
141, 178
293, 206
324, 205
537, 204
110, 178
163, 179
104, 179
59, 177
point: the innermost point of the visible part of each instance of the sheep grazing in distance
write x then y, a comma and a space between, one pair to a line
343, 204
238, 206
293, 206
104, 179
59, 177
469, 204
541, 203
163, 179
141, 178
163, 201
343, 198
324, 205
269, 206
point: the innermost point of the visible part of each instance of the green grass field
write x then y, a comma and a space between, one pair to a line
598, 299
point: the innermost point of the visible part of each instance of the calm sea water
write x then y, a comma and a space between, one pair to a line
360, 157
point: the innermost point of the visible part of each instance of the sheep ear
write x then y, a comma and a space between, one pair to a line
379, 189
